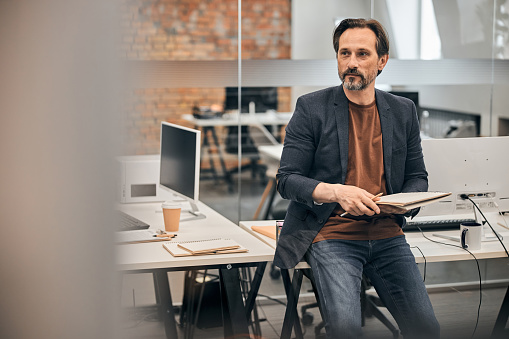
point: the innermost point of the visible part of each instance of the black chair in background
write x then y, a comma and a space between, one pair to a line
249, 151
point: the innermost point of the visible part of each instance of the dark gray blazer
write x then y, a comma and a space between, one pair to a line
316, 150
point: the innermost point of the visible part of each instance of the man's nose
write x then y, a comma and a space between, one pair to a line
353, 62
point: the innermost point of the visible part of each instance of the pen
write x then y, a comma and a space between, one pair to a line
504, 226
166, 235
376, 196
446, 237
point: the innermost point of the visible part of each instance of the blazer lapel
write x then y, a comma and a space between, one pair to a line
387, 125
341, 115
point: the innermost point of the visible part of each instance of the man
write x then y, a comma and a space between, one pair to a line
342, 146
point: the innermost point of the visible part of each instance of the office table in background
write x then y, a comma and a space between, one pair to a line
271, 154
209, 125
153, 258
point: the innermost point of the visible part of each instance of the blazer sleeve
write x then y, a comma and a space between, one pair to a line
416, 176
293, 177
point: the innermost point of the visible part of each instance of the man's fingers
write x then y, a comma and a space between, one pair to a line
369, 203
361, 209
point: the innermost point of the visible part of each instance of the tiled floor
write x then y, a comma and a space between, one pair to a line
455, 308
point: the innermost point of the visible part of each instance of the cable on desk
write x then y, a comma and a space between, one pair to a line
502, 214
478, 271
424, 273
464, 196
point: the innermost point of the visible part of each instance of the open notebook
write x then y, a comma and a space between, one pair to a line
412, 200
203, 247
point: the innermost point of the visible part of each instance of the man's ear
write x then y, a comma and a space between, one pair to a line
382, 61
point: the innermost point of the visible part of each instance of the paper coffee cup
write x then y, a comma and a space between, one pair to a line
171, 215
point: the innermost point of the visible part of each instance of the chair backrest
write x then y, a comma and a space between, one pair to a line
232, 140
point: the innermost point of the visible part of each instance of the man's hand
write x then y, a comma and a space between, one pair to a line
353, 200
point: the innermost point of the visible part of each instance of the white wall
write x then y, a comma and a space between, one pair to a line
313, 26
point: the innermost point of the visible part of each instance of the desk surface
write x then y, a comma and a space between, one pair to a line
245, 119
271, 151
433, 252
148, 256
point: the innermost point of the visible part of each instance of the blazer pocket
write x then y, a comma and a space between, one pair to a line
297, 212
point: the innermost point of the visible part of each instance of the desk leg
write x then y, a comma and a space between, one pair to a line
166, 306
270, 190
206, 145
499, 328
227, 175
234, 318
292, 289
255, 286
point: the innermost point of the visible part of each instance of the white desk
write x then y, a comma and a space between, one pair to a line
433, 252
153, 258
271, 154
272, 151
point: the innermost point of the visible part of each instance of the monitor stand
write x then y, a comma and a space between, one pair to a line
195, 213
487, 232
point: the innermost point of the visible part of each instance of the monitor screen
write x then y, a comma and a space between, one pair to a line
414, 96
180, 160
264, 98
473, 166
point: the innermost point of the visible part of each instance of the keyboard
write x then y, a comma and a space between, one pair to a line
435, 225
127, 222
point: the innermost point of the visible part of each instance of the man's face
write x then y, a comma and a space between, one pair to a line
358, 62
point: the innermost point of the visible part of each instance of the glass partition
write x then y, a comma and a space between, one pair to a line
234, 69
185, 66
448, 56
441, 55
180, 57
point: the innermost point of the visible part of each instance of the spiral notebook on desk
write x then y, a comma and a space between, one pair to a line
203, 247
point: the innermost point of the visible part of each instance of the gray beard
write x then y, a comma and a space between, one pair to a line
361, 85
351, 86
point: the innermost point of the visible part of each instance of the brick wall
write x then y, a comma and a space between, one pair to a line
194, 30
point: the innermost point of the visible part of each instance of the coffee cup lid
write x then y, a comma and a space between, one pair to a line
169, 204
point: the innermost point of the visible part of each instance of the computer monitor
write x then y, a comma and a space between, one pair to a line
414, 96
264, 99
477, 167
180, 164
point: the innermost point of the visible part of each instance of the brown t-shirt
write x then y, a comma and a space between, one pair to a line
365, 170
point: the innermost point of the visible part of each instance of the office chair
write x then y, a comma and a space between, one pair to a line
249, 151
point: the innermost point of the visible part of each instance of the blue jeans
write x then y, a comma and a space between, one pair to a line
338, 266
